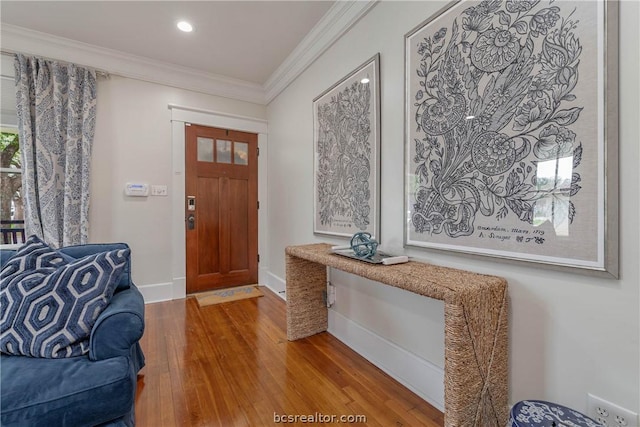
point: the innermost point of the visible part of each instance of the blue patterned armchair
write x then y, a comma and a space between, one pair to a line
94, 389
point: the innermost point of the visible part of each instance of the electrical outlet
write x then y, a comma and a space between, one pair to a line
330, 294
609, 414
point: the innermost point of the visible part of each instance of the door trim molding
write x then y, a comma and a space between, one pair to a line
180, 116
213, 118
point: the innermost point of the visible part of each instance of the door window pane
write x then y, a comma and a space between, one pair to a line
241, 153
205, 149
223, 151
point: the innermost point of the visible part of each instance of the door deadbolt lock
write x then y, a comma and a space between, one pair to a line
191, 203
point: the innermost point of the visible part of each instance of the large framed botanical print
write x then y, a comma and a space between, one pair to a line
346, 135
511, 132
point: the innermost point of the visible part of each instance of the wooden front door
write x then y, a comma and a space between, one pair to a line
221, 210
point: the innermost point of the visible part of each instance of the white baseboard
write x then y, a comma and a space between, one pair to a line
263, 275
276, 284
418, 375
179, 288
157, 292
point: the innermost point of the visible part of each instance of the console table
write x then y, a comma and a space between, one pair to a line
475, 322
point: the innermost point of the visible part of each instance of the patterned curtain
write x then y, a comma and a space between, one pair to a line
56, 108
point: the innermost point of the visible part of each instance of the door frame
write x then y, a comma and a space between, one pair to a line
179, 116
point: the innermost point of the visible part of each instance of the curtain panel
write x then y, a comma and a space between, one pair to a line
56, 109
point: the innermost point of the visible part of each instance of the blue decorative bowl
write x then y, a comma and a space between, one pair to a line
538, 413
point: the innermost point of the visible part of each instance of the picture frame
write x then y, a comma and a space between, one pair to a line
346, 139
511, 133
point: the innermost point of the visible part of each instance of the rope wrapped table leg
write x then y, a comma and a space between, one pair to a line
476, 362
306, 309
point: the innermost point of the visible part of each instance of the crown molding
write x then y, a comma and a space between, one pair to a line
337, 21
23, 40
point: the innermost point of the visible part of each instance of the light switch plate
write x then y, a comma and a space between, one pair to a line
159, 190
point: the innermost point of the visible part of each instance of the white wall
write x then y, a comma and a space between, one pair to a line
133, 144
570, 334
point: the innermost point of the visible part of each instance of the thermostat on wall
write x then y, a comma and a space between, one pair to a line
136, 190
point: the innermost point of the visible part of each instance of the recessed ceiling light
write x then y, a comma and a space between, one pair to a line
185, 26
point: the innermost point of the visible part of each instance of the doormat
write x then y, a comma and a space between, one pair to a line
228, 295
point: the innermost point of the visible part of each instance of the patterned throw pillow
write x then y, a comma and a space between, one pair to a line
48, 311
32, 255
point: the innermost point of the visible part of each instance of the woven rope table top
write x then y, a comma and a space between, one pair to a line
476, 324
446, 284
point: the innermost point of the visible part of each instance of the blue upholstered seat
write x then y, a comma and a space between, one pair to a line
96, 389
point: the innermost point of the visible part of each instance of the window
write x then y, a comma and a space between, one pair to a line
223, 151
11, 202
554, 179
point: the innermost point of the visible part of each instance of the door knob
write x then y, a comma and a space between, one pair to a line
191, 222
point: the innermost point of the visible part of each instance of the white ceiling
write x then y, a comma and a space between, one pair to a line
244, 40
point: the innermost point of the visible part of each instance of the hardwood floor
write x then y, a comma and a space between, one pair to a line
231, 365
